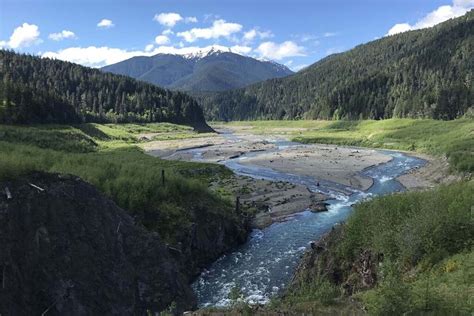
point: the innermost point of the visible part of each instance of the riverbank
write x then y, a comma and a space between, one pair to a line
271, 201
386, 272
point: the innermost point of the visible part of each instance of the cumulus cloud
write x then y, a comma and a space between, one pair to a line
441, 14
62, 35
23, 36
168, 19
253, 33
93, 56
162, 40
277, 51
105, 24
219, 28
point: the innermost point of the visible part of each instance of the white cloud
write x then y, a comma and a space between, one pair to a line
167, 32
253, 33
62, 35
399, 28
23, 36
168, 19
105, 24
91, 56
191, 19
277, 51
149, 47
441, 14
250, 35
219, 28
241, 49
101, 56
162, 40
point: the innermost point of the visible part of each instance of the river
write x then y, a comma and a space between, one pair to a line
263, 266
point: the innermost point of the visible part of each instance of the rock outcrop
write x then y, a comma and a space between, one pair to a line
65, 249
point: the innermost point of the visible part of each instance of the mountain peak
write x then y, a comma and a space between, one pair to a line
208, 51
212, 68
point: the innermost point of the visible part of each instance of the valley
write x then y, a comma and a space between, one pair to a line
188, 164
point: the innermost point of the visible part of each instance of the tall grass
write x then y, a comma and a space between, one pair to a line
424, 240
110, 161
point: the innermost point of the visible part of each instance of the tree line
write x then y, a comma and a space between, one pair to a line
419, 74
43, 90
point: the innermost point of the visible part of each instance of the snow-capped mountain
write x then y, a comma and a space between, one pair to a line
214, 68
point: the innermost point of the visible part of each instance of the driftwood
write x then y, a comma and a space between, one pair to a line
118, 227
173, 249
36, 187
8, 193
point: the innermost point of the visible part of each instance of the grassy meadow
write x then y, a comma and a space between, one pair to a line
454, 139
109, 157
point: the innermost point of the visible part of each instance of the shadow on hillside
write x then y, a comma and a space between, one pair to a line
92, 131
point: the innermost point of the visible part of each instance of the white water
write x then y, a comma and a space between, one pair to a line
262, 267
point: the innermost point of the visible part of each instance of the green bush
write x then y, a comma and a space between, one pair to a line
413, 226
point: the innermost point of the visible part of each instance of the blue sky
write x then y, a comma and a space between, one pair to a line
293, 32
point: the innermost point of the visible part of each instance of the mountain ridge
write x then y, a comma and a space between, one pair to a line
211, 69
424, 73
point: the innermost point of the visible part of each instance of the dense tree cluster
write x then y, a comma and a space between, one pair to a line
41, 90
425, 73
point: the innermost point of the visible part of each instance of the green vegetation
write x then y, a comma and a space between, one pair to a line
419, 74
455, 138
445, 288
107, 157
41, 90
422, 246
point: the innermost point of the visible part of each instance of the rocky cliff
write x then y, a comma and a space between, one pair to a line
66, 249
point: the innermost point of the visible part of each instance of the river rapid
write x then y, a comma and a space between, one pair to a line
263, 266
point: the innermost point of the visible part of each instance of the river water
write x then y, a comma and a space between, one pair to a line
262, 267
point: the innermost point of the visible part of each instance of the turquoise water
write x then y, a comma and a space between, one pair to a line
264, 265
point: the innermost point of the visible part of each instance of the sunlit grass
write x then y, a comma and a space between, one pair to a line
108, 156
455, 139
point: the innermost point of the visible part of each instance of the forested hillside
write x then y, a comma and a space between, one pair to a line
40, 90
424, 73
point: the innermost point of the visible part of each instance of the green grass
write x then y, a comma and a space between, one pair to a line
108, 157
455, 139
425, 240
444, 289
